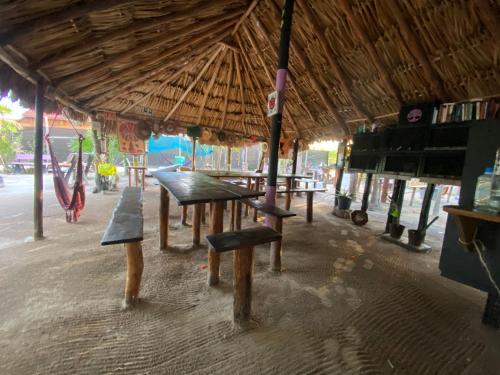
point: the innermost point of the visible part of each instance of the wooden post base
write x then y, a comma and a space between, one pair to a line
135, 266
242, 283
275, 251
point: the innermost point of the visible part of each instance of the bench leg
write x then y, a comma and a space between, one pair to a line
242, 283
275, 253
135, 266
310, 206
233, 212
164, 208
184, 216
288, 197
203, 213
239, 209
196, 223
215, 226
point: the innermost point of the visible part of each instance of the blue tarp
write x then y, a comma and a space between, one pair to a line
168, 142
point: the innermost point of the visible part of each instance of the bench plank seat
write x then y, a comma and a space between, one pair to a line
268, 209
250, 237
126, 224
314, 190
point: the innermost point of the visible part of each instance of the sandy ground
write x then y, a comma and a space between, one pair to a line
346, 303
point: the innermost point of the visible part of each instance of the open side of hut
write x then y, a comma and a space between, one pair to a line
211, 63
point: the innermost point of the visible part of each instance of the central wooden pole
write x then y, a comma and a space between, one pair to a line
38, 161
286, 28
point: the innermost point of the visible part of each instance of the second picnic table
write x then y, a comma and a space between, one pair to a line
194, 188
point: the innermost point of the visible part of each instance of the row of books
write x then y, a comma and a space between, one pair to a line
466, 111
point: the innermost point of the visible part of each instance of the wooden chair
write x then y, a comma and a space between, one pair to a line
126, 227
242, 243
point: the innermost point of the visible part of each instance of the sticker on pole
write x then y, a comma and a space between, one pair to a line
273, 103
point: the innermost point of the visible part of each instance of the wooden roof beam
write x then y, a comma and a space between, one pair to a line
92, 42
228, 87
406, 27
196, 44
245, 15
193, 84
210, 85
332, 60
360, 32
489, 17
202, 28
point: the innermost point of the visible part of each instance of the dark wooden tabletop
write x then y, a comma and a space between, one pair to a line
196, 187
243, 174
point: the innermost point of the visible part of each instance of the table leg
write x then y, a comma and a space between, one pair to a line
310, 206
197, 223
238, 215
143, 179
164, 208
233, 212
257, 188
288, 198
203, 213
129, 177
136, 174
242, 283
184, 215
135, 266
249, 183
275, 253
216, 225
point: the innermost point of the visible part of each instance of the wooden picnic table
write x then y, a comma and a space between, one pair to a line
195, 188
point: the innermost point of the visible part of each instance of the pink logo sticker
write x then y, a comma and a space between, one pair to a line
414, 115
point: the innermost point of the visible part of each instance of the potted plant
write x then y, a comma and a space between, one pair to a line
395, 228
344, 200
416, 237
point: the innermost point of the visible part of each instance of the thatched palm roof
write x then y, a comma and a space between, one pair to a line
212, 62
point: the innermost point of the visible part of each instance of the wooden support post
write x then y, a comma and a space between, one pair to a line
275, 253
229, 157
242, 283
38, 163
249, 185
203, 213
196, 223
135, 266
398, 194
193, 167
164, 212
295, 155
437, 203
184, 215
340, 169
412, 198
310, 195
233, 218
283, 54
238, 215
385, 189
366, 192
216, 226
257, 188
426, 206
288, 195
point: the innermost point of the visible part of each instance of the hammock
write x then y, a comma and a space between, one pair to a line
71, 202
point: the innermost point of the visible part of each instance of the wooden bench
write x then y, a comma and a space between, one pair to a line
309, 197
126, 227
277, 214
243, 243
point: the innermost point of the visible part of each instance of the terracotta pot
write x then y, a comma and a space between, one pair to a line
396, 230
415, 237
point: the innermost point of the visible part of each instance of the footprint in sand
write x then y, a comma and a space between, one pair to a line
368, 264
356, 246
333, 243
343, 232
340, 289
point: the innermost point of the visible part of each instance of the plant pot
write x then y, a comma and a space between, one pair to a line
415, 237
344, 203
396, 230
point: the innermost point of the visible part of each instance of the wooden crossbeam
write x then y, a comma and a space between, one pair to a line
210, 85
362, 35
228, 87
332, 60
92, 42
203, 28
193, 84
197, 43
78, 10
414, 46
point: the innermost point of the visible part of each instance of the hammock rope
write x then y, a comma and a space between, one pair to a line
72, 202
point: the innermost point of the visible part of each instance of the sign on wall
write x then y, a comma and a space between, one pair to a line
127, 139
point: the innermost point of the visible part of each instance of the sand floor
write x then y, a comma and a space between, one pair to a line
346, 303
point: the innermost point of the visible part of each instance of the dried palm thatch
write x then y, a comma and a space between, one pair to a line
211, 62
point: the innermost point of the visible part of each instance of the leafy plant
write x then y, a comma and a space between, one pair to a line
10, 137
114, 154
87, 146
344, 193
429, 224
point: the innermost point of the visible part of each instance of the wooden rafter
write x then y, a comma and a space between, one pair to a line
210, 85
228, 87
193, 84
332, 60
209, 26
242, 92
414, 46
196, 44
93, 42
489, 17
68, 13
362, 35
245, 15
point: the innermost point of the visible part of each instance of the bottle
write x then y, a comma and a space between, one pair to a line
483, 190
494, 203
